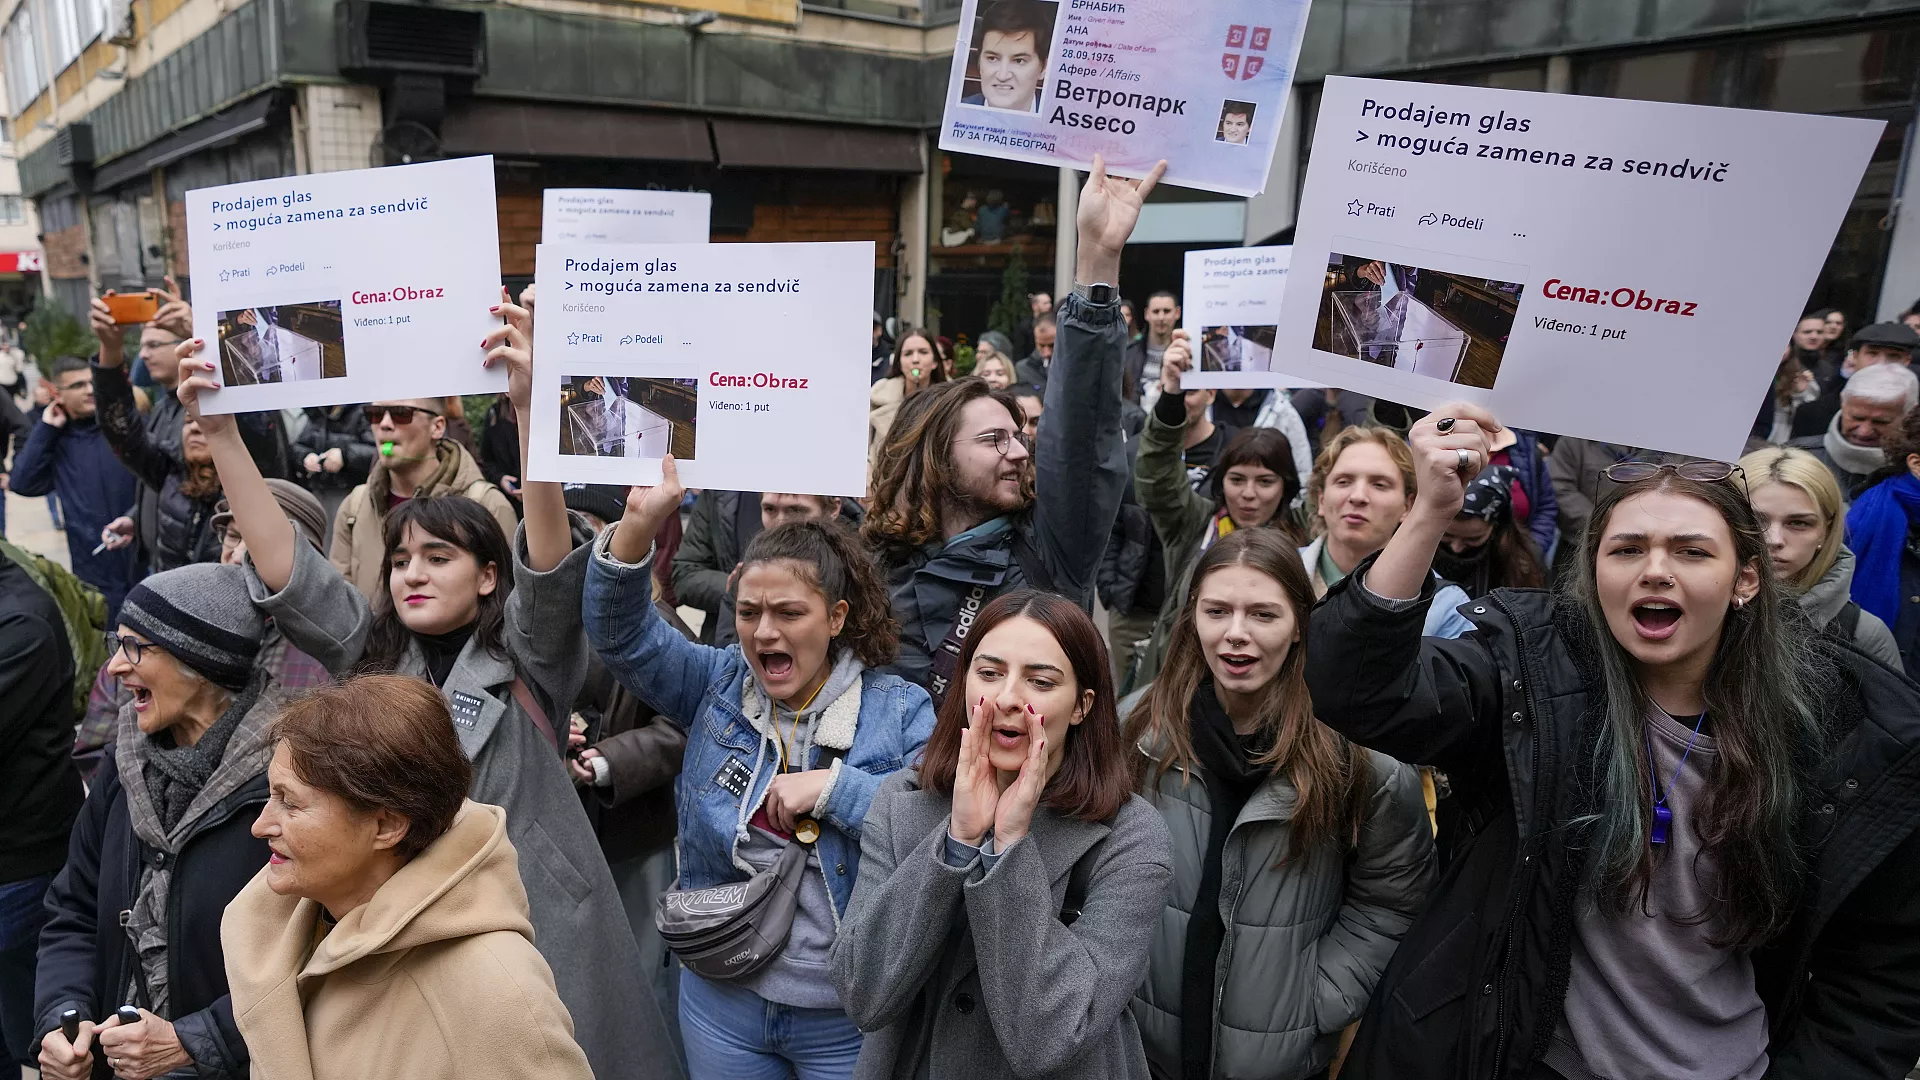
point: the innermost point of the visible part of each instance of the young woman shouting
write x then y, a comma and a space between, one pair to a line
496, 628
789, 733
1299, 858
1011, 885
1691, 846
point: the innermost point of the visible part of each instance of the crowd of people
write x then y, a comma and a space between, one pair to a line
1409, 744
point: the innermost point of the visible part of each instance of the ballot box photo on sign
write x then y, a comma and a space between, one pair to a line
282, 343
1236, 348
1443, 325
628, 416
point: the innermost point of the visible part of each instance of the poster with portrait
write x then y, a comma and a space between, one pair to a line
1202, 84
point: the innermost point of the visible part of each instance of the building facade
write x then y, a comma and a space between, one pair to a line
815, 119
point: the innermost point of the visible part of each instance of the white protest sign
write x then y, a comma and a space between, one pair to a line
624, 216
1202, 83
748, 362
364, 285
1230, 306
1627, 271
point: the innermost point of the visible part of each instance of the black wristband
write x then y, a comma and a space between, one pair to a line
1171, 409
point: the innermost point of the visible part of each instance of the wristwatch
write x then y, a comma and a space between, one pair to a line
1099, 293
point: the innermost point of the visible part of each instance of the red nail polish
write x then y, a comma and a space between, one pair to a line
495, 307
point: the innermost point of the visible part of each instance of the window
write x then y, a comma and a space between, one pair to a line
76, 23
20, 53
12, 210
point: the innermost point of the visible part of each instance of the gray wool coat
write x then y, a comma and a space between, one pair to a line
579, 924
1026, 996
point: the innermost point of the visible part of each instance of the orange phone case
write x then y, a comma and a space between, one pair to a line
133, 307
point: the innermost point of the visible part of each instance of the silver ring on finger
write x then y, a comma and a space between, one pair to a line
1466, 458
1444, 424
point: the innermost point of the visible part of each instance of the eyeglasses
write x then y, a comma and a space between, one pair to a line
1706, 472
1002, 440
402, 414
133, 646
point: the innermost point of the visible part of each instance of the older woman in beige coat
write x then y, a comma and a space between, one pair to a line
388, 934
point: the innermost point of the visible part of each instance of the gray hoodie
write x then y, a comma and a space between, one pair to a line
1830, 594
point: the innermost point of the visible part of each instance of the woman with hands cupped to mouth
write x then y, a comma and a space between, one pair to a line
1010, 885
1692, 824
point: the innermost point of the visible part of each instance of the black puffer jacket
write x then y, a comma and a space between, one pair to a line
1479, 981
336, 427
182, 524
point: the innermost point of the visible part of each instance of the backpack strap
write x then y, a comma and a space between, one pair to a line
1077, 881
523, 694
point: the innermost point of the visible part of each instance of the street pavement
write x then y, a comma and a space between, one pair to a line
31, 527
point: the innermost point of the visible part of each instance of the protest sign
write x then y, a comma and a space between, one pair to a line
624, 216
1627, 271
364, 285
1201, 83
1230, 307
748, 362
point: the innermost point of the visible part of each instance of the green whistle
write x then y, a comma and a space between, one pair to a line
386, 448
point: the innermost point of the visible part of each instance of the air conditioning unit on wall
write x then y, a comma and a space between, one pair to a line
377, 38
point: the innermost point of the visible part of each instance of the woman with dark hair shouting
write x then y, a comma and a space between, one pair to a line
789, 733
495, 627
1691, 846
1011, 885
1299, 857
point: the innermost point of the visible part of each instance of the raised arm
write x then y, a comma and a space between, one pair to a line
1081, 461
1446, 461
1160, 470
114, 405
270, 536
549, 536
648, 656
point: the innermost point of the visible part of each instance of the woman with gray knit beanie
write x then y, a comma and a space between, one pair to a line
164, 841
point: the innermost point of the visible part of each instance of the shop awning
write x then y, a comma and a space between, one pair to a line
230, 123
533, 129
764, 144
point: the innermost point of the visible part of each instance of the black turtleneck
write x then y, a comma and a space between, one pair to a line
443, 649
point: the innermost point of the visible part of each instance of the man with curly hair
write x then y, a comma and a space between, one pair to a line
954, 517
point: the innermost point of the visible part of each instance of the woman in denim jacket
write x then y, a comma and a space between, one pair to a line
789, 733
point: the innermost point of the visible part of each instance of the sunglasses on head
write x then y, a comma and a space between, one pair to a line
402, 414
1706, 472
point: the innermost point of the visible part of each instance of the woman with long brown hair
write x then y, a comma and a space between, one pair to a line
1008, 886
1300, 858
1693, 825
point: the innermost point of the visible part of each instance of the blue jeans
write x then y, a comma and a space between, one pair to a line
735, 1034
23, 911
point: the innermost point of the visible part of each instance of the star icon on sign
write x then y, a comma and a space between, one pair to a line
1355, 207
